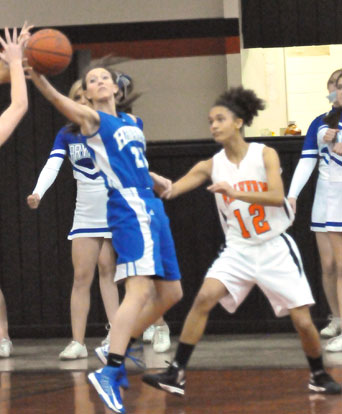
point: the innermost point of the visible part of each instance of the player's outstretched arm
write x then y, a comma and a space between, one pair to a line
197, 176
82, 115
12, 55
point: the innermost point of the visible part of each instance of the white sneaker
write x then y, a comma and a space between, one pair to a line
161, 339
334, 344
74, 350
332, 329
106, 341
148, 334
6, 348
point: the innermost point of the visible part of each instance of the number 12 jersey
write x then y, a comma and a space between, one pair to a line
244, 223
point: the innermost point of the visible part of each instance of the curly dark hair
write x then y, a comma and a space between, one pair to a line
242, 102
125, 82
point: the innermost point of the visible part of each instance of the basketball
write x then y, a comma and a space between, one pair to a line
48, 51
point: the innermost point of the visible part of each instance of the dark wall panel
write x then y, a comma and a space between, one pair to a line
273, 23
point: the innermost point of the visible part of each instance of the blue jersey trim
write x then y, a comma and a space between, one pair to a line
57, 155
336, 160
318, 224
91, 176
100, 230
334, 223
309, 156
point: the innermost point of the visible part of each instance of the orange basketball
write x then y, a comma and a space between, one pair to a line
48, 51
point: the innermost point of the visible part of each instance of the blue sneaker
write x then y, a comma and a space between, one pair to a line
102, 354
107, 383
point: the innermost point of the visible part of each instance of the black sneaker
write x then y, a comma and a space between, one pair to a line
323, 383
172, 380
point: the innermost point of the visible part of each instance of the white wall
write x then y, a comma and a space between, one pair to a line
263, 71
293, 81
178, 93
74, 12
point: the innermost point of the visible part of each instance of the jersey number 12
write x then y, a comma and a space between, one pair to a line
259, 223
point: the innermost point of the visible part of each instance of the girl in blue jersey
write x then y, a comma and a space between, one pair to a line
11, 55
139, 225
330, 134
90, 235
313, 152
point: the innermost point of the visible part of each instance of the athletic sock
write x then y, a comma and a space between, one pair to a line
131, 342
316, 364
183, 354
115, 360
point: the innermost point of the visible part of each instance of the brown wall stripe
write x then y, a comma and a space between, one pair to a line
166, 48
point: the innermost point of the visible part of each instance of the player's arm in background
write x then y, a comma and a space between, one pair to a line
50, 170
274, 194
12, 55
198, 175
306, 164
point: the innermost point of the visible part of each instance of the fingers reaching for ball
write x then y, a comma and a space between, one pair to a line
13, 45
25, 34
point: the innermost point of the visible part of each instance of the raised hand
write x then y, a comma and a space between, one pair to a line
12, 49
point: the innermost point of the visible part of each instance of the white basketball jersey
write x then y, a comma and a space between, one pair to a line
245, 223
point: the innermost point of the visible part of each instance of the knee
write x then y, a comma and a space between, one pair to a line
106, 270
304, 325
176, 294
329, 269
82, 278
203, 302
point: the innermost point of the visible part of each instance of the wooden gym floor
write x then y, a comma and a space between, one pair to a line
240, 374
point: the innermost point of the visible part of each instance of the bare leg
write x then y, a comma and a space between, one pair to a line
307, 331
166, 295
195, 323
329, 275
109, 289
85, 253
3, 318
336, 242
138, 289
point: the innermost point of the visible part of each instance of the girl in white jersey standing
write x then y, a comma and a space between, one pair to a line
331, 135
140, 229
316, 151
90, 235
255, 215
11, 56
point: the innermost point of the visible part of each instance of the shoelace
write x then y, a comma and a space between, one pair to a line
137, 361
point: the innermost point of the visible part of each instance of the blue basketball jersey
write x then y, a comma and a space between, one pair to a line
71, 145
118, 150
140, 228
313, 149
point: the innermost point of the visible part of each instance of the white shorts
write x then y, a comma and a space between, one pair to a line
334, 207
90, 216
319, 208
275, 266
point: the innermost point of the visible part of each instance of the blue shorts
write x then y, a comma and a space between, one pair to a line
141, 235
